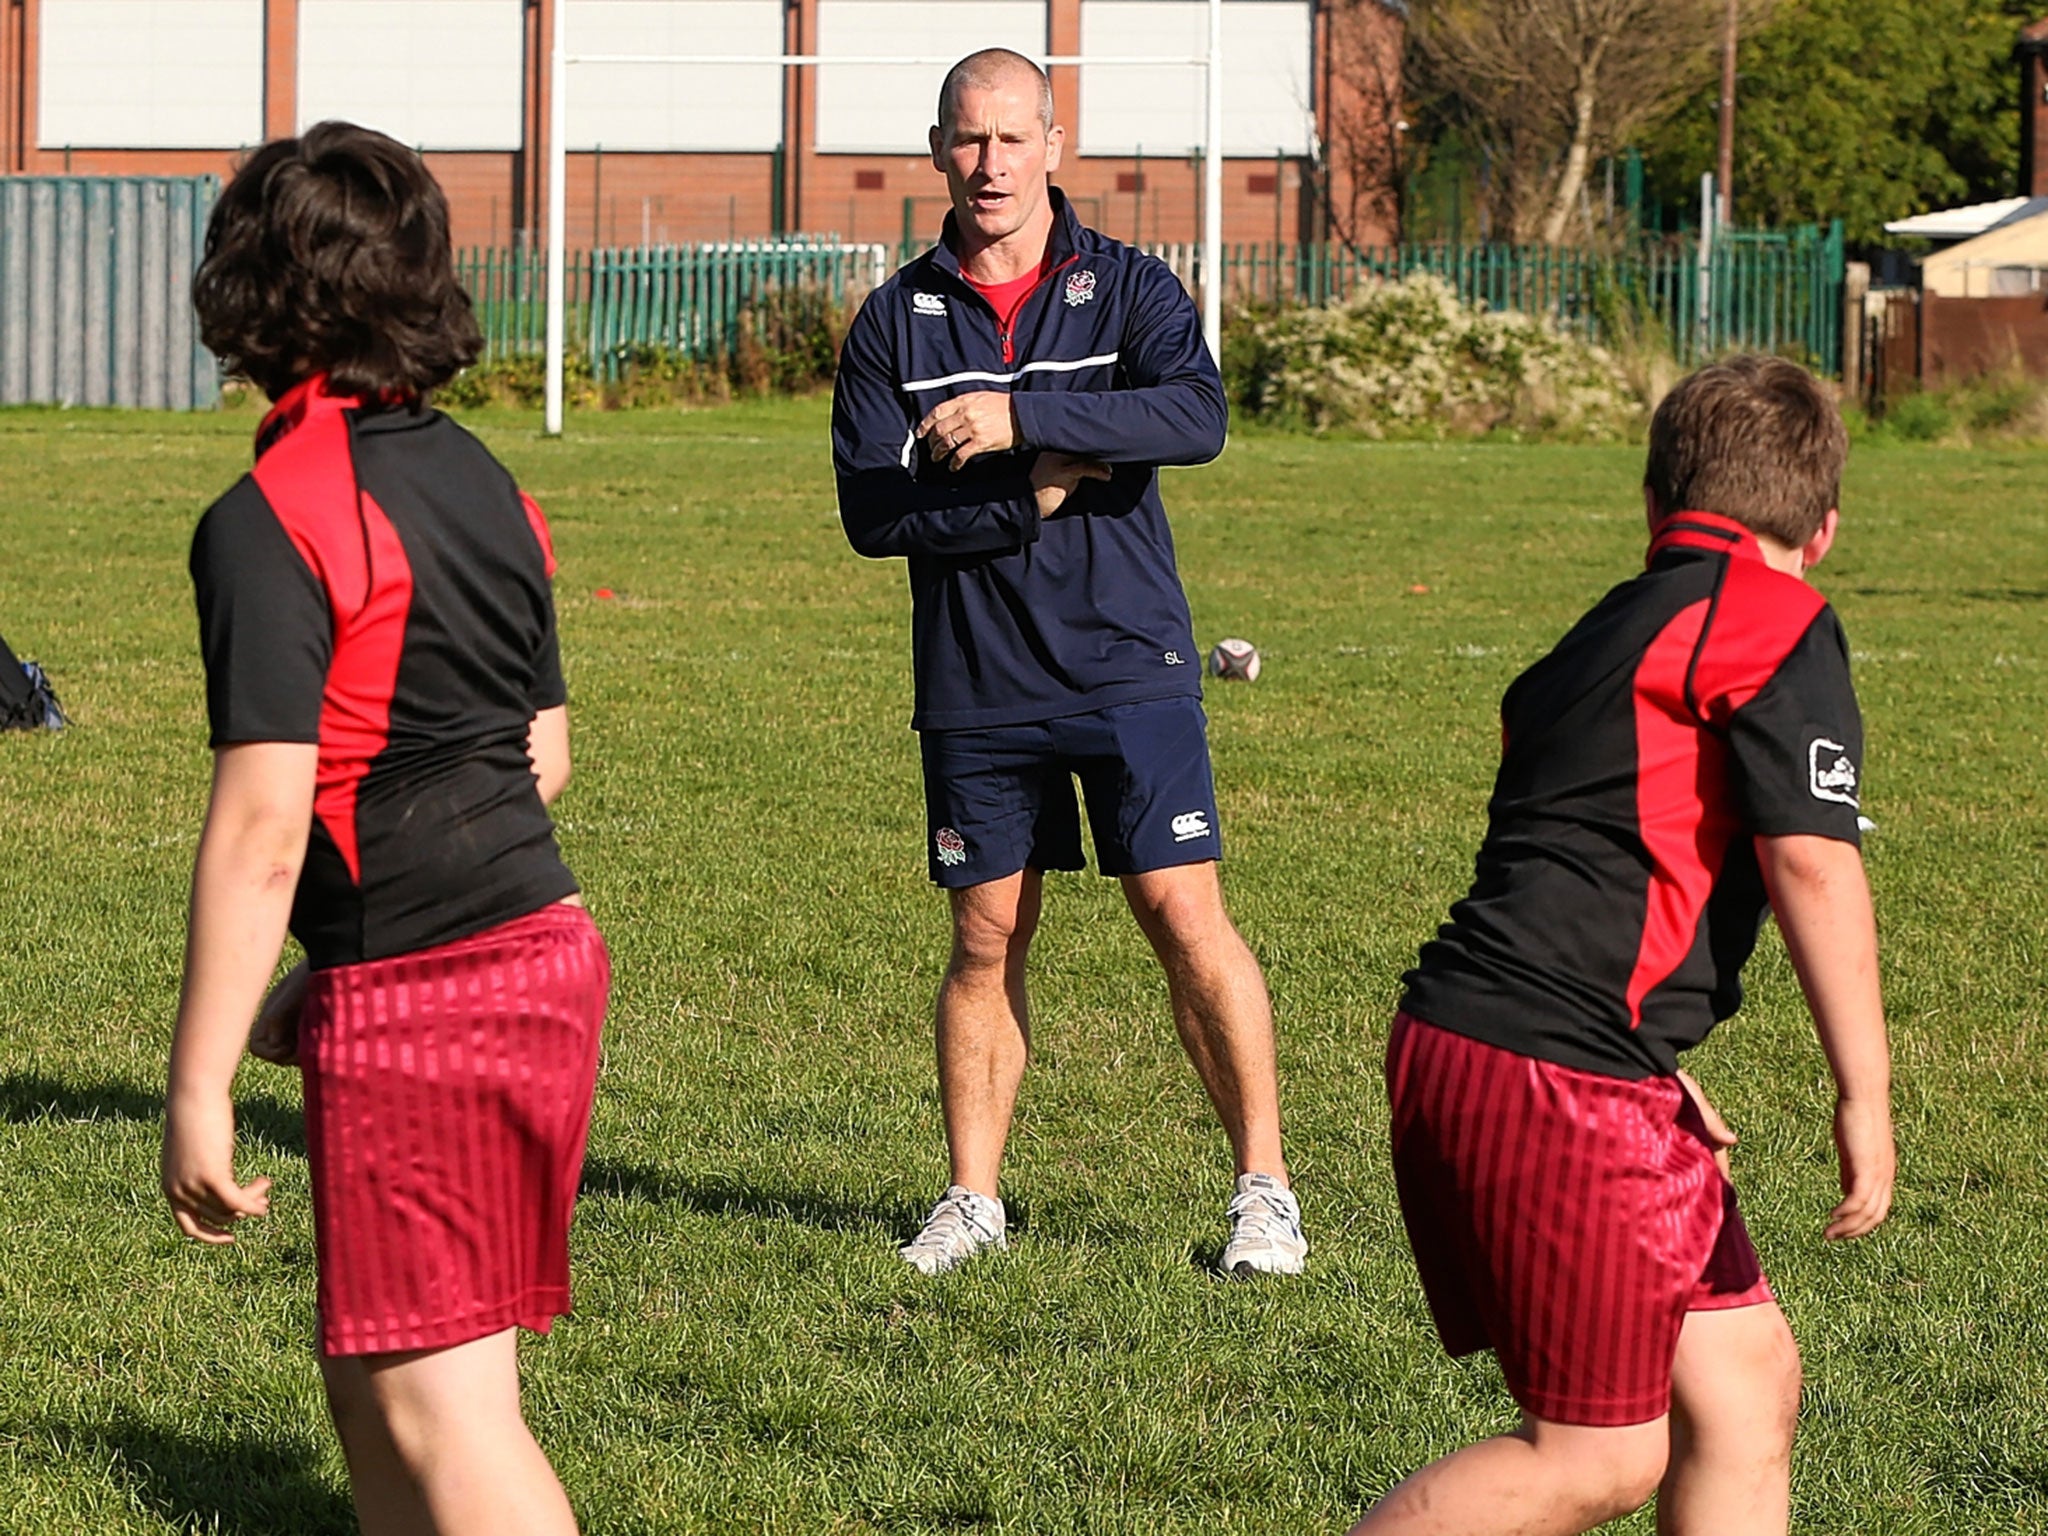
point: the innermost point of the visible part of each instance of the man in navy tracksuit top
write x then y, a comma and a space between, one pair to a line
1002, 405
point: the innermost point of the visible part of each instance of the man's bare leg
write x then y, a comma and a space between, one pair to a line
984, 1023
1220, 1007
1734, 1409
437, 1445
1545, 1479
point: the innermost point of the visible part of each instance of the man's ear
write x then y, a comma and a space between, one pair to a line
937, 139
1055, 141
1815, 549
1651, 511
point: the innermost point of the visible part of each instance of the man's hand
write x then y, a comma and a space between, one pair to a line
199, 1170
966, 425
1719, 1137
276, 1035
1056, 476
1863, 1145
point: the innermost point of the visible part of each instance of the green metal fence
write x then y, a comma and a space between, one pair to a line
1776, 290
694, 301
1772, 290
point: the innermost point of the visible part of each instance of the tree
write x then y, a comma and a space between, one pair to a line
1364, 164
1547, 86
1863, 110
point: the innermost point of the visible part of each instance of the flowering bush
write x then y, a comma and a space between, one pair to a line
1409, 359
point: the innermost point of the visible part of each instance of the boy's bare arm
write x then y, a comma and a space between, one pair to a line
242, 887
1821, 899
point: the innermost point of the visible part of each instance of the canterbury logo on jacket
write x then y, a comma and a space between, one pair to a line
1015, 617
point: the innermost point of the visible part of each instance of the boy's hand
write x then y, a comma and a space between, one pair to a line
1718, 1135
275, 1037
1822, 902
1863, 1143
199, 1171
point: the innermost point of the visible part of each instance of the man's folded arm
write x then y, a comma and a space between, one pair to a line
1173, 410
887, 509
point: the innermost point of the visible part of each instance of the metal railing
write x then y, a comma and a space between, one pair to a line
1777, 291
697, 302
1770, 290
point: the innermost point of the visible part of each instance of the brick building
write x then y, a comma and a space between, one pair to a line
2033, 61
678, 153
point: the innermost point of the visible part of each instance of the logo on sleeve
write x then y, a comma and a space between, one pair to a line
1189, 825
1080, 289
1830, 774
928, 303
950, 846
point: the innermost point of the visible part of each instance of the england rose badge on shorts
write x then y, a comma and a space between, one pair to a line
951, 847
1080, 289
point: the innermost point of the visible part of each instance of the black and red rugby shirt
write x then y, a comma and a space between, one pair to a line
378, 585
1617, 894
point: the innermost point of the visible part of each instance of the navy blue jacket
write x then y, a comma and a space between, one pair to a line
1015, 617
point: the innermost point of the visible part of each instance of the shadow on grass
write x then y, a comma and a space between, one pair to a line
235, 1485
26, 1097
604, 1178
2007, 594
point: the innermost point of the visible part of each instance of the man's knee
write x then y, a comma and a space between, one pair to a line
1181, 909
990, 932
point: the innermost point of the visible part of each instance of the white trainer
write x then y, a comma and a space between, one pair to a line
1265, 1230
961, 1225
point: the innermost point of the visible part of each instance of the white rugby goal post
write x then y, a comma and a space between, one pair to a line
559, 60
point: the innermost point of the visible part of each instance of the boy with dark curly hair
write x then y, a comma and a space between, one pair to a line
388, 725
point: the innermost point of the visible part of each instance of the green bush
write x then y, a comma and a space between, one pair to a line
2001, 409
1918, 418
788, 344
1409, 359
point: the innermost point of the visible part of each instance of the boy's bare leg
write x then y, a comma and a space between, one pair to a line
984, 1023
1734, 1408
1220, 1007
387, 1500
437, 1446
1545, 1479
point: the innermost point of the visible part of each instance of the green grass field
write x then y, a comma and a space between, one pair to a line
748, 1354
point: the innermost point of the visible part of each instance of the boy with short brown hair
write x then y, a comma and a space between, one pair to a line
1688, 752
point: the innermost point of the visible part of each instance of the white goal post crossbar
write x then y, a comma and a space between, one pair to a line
559, 60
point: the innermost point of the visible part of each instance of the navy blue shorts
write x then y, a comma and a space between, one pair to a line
1001, 800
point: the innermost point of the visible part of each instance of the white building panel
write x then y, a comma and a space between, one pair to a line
1267, 49
889, 110
150, 74
436, 74
674, 106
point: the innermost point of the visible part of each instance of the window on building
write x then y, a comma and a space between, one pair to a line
436, 74
150, 74
674, 106
1267, 104
888, 110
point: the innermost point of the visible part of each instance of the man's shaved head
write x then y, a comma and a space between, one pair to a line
985, 70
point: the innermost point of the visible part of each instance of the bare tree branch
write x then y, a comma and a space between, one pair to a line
1548, 86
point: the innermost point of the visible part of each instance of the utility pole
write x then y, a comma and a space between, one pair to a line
1724, 180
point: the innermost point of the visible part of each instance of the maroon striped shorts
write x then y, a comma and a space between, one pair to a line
1566, 1220
447, 1105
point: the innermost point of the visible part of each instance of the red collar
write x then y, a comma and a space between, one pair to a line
305, 399
1704, 530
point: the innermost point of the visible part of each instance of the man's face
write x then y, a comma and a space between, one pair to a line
996, 155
